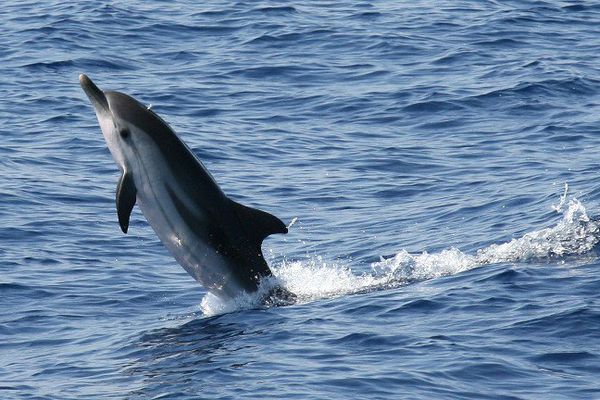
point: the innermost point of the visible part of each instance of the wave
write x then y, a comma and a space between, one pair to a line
568, 86
314, 279
83, 63
276, 9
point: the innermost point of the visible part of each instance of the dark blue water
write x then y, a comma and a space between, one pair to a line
424, 148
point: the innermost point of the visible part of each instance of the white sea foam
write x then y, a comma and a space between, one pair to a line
316, 278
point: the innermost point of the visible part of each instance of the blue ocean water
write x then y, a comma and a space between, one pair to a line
441, 159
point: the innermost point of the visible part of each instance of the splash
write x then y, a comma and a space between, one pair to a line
316, 279
576, 233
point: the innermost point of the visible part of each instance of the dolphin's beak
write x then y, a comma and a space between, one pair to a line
94, 93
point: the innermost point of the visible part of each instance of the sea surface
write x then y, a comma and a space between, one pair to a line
441, 160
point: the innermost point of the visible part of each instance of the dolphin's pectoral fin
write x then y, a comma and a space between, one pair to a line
126, 194
258, 224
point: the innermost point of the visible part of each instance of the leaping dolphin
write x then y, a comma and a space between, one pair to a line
216, 240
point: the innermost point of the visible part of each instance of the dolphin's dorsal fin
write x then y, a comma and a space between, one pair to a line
258, 224
126, 194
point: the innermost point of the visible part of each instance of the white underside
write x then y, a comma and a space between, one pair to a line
151, 174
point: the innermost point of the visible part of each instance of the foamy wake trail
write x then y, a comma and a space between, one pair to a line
315, 279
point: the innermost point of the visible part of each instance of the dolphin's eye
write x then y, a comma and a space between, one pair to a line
124, 132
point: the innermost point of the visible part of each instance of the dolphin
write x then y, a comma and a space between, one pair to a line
215, 239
